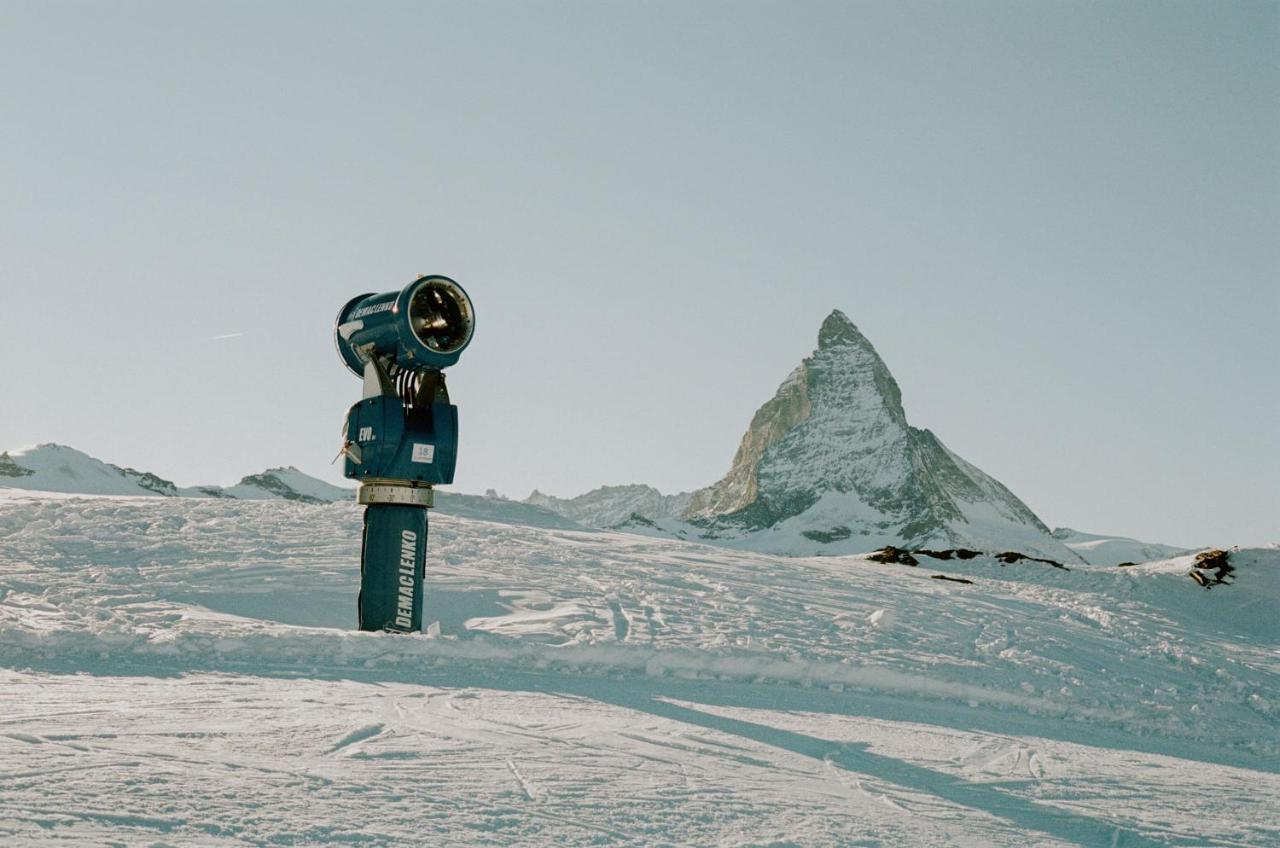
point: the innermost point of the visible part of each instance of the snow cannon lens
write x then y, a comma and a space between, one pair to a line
440, 315
425, 325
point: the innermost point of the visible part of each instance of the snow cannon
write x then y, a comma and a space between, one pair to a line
427, 324
401, 438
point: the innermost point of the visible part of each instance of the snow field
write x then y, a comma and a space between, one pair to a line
185, 670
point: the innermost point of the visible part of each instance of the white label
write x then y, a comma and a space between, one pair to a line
366, 434
424, 453
373, 310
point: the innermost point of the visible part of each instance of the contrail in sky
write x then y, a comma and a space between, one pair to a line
226, 336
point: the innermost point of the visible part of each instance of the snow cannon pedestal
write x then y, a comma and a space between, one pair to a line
393, 555
402, 439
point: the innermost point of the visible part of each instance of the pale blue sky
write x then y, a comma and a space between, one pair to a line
1056, 221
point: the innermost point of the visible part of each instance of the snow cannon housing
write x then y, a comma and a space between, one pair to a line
389, 439
427, 324
404, 431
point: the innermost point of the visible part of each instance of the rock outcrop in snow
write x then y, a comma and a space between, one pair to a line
9, 468
288, 484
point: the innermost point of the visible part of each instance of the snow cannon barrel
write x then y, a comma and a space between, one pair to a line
425, 325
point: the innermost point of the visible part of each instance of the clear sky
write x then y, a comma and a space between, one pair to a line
1056, 221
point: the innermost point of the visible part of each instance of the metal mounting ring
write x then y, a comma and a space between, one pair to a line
401, 492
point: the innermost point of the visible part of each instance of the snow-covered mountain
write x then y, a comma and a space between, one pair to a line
171, 668
830, 465
286, 483
491, 507
58, 468
1113, 550
613, 506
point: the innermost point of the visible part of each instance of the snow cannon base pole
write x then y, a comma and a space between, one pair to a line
393, 557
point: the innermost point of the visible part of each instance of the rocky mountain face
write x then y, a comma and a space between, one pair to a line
287, 483
831, 460
9, 468
147, 480
830, 465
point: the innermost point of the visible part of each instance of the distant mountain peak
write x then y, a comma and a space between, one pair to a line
287, 483
51, 467
831, 460
837, 329
829, 465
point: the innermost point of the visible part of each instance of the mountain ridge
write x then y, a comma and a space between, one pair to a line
52, 467
59, 469
830, 465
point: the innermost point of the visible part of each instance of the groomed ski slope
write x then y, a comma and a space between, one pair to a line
184, 672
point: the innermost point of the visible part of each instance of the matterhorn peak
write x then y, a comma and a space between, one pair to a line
830, 464
838, 330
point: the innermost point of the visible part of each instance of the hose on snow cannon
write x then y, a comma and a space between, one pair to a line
401, 438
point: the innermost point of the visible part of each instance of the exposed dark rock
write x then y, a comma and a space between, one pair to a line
9, 468
1125, 564
951, 579
1213, 558
277, 486
835, 534
149, 481
1212, 568
890, 554
958, 553
1010, 557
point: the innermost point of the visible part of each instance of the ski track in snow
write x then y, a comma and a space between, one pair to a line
185, 673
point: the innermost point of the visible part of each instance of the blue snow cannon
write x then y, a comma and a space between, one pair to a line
427, 324
401, 438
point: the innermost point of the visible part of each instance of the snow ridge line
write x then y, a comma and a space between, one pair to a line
305, 649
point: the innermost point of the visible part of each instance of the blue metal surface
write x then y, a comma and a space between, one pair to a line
421, 446
393, 568
403, 430
384, 323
